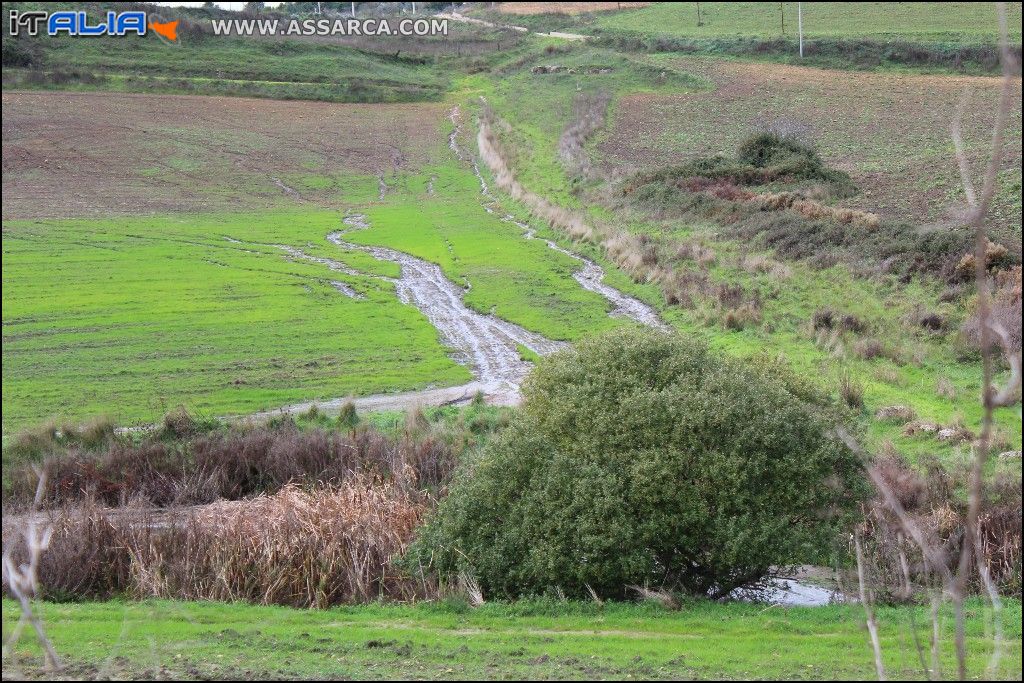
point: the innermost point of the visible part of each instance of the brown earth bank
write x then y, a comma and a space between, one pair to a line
889, 131
68, 154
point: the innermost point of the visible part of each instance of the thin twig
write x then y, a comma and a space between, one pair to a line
869, 612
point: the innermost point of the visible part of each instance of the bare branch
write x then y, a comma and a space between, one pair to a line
23, 582
869, 612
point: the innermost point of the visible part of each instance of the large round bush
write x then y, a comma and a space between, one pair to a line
644, 458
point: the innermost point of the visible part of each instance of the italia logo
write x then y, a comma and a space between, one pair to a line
79, 24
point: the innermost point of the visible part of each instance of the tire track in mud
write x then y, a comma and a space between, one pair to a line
590, 276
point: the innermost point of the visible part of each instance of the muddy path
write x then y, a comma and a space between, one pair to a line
488, 345
456, 16
590, 276
485, 343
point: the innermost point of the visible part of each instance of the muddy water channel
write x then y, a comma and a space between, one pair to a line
590, 276
488, 345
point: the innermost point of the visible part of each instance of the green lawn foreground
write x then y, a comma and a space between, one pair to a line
528, 639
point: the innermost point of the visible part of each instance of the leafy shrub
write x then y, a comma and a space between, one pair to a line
762, 158
643, 459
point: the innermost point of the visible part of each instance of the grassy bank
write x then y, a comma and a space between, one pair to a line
922, 36
538, 640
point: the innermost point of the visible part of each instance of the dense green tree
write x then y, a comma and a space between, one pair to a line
644, 458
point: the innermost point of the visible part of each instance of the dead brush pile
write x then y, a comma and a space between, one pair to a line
231, 465
299, 548
932, 501
809, 208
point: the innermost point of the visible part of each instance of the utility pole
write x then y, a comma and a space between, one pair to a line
800, 26
699, 22
353, 9
782, 15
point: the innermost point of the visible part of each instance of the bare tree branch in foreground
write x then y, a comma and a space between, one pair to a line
23, 583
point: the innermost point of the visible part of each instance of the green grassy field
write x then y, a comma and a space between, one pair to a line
952, 22
130, 317
535, 640
321, 351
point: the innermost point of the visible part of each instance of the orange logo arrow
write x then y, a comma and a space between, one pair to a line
168, 29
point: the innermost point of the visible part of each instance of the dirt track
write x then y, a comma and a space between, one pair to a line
455, 16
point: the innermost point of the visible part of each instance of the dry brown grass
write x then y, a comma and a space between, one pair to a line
300, 548
235, 464
930, 498
588, 117
757, 263
813, 210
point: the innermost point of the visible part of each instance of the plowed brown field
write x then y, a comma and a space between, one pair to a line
889, 131
97, 154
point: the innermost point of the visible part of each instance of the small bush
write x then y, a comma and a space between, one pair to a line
348, 418
871, 348
642, 459
741, 317
22, 51
823, 319
1005, 312
851, 391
